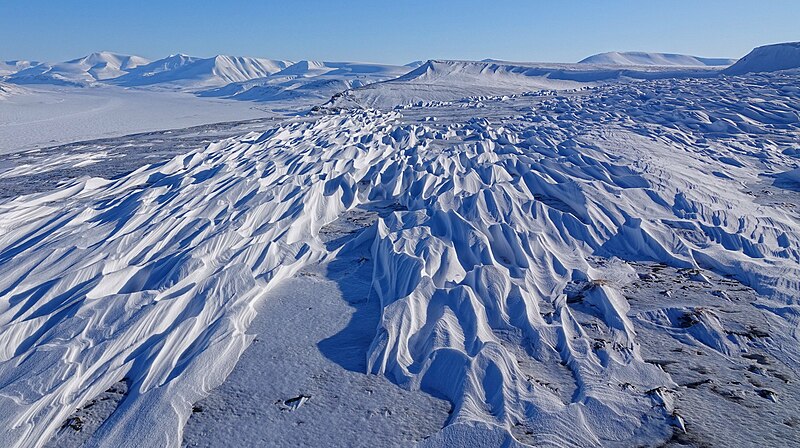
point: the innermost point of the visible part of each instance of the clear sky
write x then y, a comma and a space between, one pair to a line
392, 31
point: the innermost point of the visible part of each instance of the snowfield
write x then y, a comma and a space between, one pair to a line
470, 254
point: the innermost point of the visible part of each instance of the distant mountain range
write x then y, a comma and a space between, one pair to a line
258, 79
655, 59
222, 75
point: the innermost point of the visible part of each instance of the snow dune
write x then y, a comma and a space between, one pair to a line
501, 272
654, 59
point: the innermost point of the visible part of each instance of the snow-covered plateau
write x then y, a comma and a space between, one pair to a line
445, 254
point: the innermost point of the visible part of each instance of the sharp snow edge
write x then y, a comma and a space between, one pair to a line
151, 277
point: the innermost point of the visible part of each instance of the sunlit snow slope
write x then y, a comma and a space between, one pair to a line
501, 273
768, 58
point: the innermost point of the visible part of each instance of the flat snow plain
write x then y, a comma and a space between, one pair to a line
44, 116
616, 264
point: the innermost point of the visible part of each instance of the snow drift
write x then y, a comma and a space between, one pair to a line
502, 235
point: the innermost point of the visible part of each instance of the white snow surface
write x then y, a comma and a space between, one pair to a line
654, 59
40, 116
503, 270
768, 58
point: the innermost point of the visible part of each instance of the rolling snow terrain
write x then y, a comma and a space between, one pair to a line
657, 59
454, 254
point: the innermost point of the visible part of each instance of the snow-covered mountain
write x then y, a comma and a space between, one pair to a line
191, 72
95, 67
654, 59
11, 67
768, 58
442, 80
174, 71
307, 80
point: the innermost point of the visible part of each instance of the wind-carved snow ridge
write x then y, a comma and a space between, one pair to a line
151, 277
502, 230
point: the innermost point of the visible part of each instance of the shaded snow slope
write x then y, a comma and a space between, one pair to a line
452, 80
506, 269
191, 72
82, 71
768, 58
656, 59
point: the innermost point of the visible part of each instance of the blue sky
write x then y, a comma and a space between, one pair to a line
392, 31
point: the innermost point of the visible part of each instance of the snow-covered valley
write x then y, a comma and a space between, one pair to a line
456, 253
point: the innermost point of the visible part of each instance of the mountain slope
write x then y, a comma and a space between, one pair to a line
309, 81
95, 67
191, 72
11, 67
768, 58
654, 59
